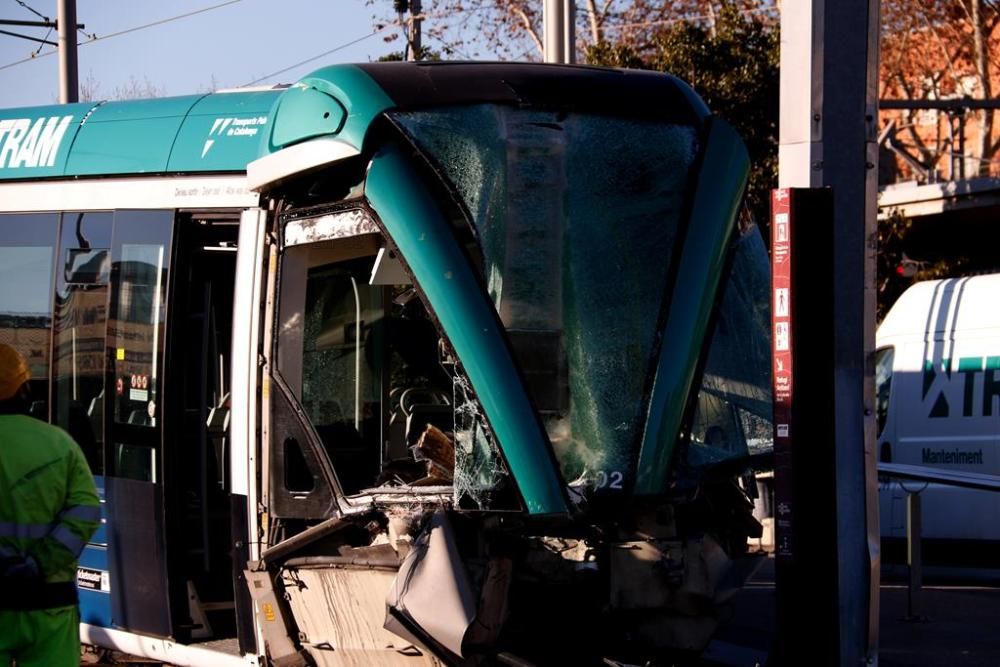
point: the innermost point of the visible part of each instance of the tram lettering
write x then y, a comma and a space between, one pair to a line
956, 456
947, 385
31, 144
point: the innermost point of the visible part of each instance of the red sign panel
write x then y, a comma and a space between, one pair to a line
781, 353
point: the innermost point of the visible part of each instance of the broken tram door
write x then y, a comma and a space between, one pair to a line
515, 369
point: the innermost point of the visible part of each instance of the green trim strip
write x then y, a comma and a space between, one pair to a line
426, 241
721, 181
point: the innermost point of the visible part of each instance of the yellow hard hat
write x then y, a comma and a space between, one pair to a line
13, 371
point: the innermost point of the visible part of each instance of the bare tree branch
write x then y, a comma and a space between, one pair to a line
529, 28
594, 20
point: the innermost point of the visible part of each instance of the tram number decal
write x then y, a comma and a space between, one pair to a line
140, 381
609, 480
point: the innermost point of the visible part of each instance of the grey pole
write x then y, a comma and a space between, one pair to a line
914, 557
569, 31
415, 20
829, 108
554, 31
69, 88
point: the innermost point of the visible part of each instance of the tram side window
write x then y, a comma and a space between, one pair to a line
733, 412
136, 330
137, 335
81, 298
27, 256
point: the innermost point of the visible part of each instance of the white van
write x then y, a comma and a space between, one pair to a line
937, 382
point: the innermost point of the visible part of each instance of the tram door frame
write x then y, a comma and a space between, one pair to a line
158, 457
135, 474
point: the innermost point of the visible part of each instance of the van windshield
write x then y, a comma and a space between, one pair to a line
883, 385
576, 217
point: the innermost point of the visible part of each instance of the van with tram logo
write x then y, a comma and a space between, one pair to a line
937, 381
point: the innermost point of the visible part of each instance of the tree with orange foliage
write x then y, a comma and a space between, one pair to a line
942, 50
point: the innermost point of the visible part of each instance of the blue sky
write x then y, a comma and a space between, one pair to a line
230, 45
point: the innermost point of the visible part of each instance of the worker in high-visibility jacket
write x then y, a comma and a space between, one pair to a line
48, 511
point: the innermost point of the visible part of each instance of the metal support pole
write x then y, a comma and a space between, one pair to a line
828, 138
913, 558
416, 51
554, 31
951, 147
69, 88
961, 145
569, 32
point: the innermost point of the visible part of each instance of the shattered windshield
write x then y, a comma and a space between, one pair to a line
733, 412
576, 217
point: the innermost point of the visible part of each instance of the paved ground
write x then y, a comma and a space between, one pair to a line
960, 626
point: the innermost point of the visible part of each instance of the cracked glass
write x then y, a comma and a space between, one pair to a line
576, 217
733, 413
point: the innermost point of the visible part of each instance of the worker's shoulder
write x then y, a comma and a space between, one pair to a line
36, 432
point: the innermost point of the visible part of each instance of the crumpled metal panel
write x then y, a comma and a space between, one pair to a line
432, 590
339, 612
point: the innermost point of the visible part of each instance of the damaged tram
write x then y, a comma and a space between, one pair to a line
403, 364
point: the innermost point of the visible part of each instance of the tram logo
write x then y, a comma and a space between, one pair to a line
973, 383
27, 142
232, 127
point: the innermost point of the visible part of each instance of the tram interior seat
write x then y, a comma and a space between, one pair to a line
81, 427
96, 405
138, 418
347, 451
218, 433
39, 410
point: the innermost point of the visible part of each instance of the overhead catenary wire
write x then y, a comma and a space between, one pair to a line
46, 19
100, 38
41, 45
451, 46
162, 21
319, 55
38, 14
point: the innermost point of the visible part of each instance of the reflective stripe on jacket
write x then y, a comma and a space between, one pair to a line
48, 504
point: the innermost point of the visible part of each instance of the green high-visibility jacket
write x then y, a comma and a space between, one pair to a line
48, 504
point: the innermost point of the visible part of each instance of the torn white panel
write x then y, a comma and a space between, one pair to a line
339, 225
432, 590
339, 610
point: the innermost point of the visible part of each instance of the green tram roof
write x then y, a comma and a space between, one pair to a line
222, 132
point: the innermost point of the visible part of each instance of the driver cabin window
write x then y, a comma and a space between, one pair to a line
360, 355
